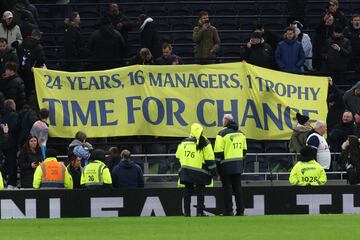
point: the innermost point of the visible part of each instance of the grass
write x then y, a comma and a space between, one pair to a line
289, 227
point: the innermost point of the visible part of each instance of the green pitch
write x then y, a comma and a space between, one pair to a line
205, 228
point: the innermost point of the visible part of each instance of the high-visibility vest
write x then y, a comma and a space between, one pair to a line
92, 174
53, 174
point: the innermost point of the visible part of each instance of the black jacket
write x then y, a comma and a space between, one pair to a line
121, 18
25, 159
336, 111
354, 36
76, 176
127, 174
74, 46
13, 88
27, 117
337, 61
36, 51
150, 39
339, 134
260, 55
11, 119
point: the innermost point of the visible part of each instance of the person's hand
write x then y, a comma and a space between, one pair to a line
34, 164
248, 45
331, 82
119, 26
5, 128
335, 47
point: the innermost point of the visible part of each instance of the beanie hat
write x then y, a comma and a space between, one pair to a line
298, 25
256, 34
302, 119
357, 85
307, 153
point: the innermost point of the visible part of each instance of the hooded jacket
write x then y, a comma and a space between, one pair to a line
260, 55
337, 61
149, 38
13, 88
127, 174
298, 138
37, 53
12, 32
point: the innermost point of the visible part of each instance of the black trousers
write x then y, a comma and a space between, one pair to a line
189, 189
232, 183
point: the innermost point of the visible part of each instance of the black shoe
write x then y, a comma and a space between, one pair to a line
187, 215
228, 214
239, 214
201, 215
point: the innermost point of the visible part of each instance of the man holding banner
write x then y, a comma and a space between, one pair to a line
230, 150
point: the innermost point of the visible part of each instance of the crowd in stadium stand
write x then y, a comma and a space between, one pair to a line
334, 50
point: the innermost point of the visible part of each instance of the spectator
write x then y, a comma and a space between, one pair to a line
107, 45
351, 159
74, 45
352, 32
7, 54
258, 52
336, 52
27, 118
333, 10
144, 57
40, 129
305, 41
300, 133
352, 98
149, 37
29, 158
341, 131
167, 57
31, 54
336, 106
357, 124
96, 174
24, 16
206, 39
127, 174
290, 56
307, 172
74, 168
12, 85
318, 142
323, 31
10, 31
51, 173
296, 10
119, 20
113, 158
10, 118
4, 137
269, 37
81, 148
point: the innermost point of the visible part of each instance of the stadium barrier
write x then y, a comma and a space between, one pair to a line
169, 202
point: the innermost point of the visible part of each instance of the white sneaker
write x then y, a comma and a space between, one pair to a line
11, 187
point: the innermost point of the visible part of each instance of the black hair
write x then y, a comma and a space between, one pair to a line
44, 113
11, 66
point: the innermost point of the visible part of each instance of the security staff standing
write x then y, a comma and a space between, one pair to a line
96, 174
307, 172
51, 173
230, 150
196, 158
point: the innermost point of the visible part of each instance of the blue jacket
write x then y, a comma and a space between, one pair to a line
290, 56
127, 174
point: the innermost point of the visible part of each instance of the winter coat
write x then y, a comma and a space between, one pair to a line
74, 46
10, 117
121, 18
107, 44
76, 176
354, 36
299, 137
13, 88
290, 56
337, 61
25, 159
27, 118
36, 50
6, 56
165, 61
339, 135
308, 49
207, 42
149, 38
11, 33
81, 149
352, 101
127, 174
335, 112
260, 55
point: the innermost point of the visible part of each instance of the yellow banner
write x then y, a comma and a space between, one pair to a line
166, 100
